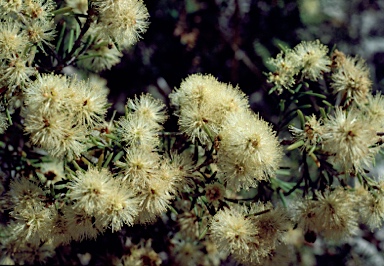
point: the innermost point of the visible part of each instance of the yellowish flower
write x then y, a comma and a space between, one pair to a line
313, 59
124, 20
249, 150
348, 138
352, 80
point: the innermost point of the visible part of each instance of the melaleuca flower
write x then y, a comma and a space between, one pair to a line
124, 20
249, 150
371, 206
89, 190
49, 93
142, 254
56, 134
102, 55
60, 232
139, 167
12, 39
154, 199
121, 207
148, 108
373, 111
90, 102
234, 233
332, 215
336, 217
199, 122
348, 138
33, 222
15, 71
214, 192
285, 67
272, 225
135, 131
186, 250
351, 80
203, 103
311, 135
24, 192
39, 9
251, 233
7, 7
81, 225
41, 32
313, 59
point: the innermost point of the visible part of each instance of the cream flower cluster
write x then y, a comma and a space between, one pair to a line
208, 110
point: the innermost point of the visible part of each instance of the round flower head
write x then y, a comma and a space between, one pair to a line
347, 136
23, 193
351, 80
203, 104
232, 232
139, 167
14, 71
48, 93
81, 225
14, 6
336, 218
41, 32
33, 223
148, 108
136, 131
154, 200
121, 207
39, 9
238, 173
90, 102
252, 145
371, 207
214, 192
12, 39
272, 225
244, 232
313, 58
89, 190
373, 110
142, 254
124, 20
56, 134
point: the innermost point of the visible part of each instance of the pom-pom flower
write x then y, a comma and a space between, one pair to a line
249, 150
351, 80
348, 138
313, 59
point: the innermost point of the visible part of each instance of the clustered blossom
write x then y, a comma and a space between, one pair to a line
127, 176
311, 134
60, 112
24, 25
123, 21
348, 138
249, 234
208, 110
308, 58
351, 80
335, 214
